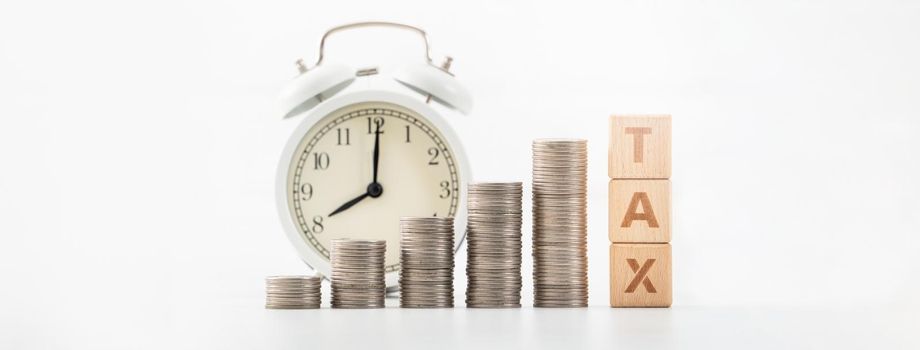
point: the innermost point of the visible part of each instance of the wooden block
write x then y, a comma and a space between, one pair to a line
640, 147
640, 275
640, 211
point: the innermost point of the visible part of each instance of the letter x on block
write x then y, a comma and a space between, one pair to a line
640, 275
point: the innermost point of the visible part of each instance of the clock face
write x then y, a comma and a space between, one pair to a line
332, 192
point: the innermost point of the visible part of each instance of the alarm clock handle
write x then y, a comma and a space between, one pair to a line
322, 42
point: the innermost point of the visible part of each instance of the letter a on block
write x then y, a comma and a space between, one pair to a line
640, 211
640, 275
648, 214
640, 147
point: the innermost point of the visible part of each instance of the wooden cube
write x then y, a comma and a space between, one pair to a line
640, 147
639, 211
640, 275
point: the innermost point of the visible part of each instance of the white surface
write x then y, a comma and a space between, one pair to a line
597, 327
138, 149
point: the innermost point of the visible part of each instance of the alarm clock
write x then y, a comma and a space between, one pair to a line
361, 158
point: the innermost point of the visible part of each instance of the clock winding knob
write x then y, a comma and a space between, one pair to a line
446, 65
301, 67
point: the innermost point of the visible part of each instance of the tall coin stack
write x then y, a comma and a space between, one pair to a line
358, 273
493, 235
426, 273
292, 292
560, 273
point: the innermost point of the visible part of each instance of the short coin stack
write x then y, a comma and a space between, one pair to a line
292, 292
426, 274
560, 274
493, 235
358, 273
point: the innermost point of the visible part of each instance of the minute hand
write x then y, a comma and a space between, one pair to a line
376, 151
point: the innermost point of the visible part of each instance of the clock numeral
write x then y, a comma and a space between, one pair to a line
445, 189
407, 134
433, 152
347, 136
374, 123
320, 161
306, 191
318, 224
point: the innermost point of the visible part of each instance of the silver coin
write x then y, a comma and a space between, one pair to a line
292, 292
358, 273
494, 244
560, 223
426, 255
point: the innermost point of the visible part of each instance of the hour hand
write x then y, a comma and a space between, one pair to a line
350, 203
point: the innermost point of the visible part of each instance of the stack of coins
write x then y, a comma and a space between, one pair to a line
426, 274
292, 292
358, 273
560, 272
493, 235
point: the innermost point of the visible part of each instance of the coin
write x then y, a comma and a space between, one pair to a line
560, 223
358, 273
493, 236
292, 292
426, 257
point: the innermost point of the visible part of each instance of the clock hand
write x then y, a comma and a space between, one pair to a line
376, 151
374, 190
350, 203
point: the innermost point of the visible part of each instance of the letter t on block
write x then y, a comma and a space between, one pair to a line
640, 147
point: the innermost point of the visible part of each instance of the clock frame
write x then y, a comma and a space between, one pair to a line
307, 253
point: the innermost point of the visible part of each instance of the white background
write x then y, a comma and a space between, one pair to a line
138, 151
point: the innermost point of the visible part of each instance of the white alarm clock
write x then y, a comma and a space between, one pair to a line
362, 158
